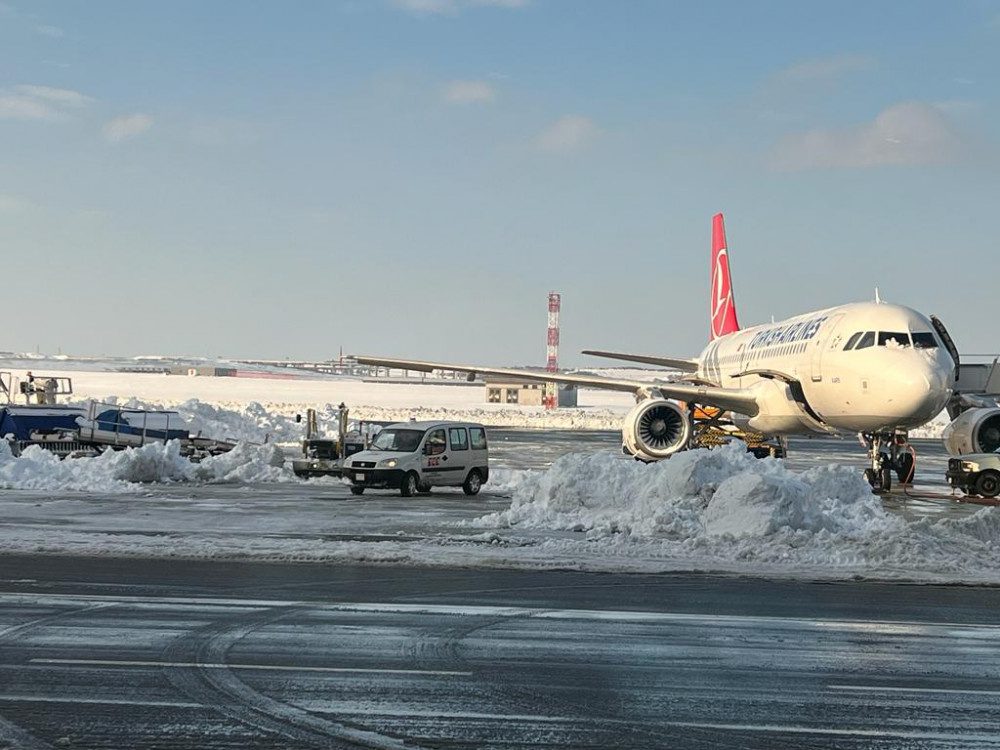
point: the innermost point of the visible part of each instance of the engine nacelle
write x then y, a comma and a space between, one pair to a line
656, 429
973, 431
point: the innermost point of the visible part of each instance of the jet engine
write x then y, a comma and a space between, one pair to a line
655, 429
973, 431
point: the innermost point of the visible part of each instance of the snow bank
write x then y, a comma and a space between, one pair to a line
724, 510
251, 422
121, 471
275, 421
698, 493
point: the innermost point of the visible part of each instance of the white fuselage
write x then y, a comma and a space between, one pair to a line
806, 381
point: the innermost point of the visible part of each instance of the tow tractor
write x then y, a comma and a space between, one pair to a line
72, 431
323, 456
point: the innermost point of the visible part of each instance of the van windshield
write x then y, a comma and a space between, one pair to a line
397, 439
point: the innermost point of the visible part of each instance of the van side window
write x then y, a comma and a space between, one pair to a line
852, 341
866, 341
478, 436
435, 443
459, 438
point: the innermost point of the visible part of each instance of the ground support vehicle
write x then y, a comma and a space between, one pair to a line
72, 430
975, 474
323, 456
415, 457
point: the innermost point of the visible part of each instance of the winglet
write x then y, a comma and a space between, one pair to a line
723, 307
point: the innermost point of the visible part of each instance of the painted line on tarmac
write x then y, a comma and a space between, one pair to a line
474, 610
259, 667
991, 738
403, 712
894, 689
98, 701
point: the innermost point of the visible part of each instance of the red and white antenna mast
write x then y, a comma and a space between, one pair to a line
552, 348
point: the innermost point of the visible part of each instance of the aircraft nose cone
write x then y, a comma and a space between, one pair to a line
923, 390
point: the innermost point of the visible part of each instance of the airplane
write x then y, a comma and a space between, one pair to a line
870, 368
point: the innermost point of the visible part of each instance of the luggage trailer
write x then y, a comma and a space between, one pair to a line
72, 431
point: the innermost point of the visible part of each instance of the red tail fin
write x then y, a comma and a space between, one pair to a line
723, 306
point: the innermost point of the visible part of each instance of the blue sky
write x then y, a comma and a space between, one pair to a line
411, 177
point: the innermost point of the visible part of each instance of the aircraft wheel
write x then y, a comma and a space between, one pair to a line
885, 477
357, 490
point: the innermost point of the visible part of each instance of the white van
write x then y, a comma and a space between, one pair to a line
414, 457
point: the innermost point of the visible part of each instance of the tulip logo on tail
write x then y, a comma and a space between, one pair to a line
723, 308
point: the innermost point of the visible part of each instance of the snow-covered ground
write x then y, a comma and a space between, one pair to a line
279, 400
594, 510
717, 511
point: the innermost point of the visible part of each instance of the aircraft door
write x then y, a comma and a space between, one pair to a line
830, 338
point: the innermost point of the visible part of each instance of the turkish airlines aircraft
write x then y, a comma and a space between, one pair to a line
869, 368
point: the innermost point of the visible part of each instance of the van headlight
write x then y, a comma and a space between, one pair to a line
389, 463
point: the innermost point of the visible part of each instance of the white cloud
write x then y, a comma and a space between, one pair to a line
17, 107
454, 6
824, 68
568, 133
53, 32
127, 126
908, 133
39, 102
466, 92
62, 97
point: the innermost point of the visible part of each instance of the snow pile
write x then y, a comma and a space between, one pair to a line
528, 417
251, 422
696, 494
934, 428
505, 481
724, 510
119, 471
275, 421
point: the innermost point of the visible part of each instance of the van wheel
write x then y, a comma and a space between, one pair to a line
988, 483
357, 490
408, 487
473, 483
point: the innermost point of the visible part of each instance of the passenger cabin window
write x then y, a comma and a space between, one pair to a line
893, 340
852, 341
867, 340
435, 443
478, 437
459, 438
924, 340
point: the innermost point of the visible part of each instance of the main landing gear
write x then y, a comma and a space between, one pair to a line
888, 452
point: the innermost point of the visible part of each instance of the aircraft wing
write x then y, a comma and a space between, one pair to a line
729, 399
675, 363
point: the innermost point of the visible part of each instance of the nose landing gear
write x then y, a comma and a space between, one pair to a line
888, 452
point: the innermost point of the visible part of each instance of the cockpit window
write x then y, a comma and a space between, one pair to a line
893, 340
867, 340
852, 341
924, 340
